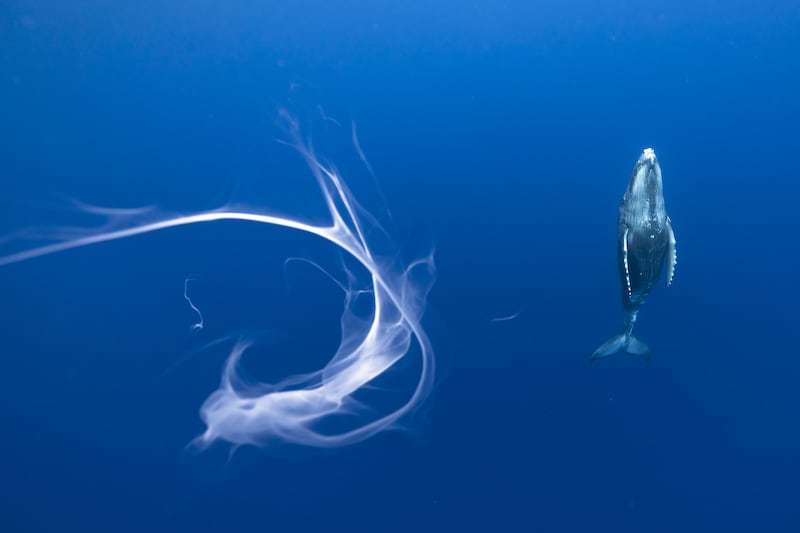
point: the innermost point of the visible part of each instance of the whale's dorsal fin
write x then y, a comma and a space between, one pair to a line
625, 259
672, 254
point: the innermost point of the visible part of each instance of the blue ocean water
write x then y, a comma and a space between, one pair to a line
501, 135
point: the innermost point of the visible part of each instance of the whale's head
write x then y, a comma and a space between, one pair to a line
647, 172
644, 199
645, 183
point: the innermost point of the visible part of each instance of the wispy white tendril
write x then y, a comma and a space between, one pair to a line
200, 322
295, 409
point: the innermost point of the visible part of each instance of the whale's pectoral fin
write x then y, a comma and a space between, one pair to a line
625, 259
672, 254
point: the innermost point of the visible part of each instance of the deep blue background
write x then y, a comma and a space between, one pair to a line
502, 132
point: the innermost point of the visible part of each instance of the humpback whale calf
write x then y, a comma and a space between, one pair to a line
645, 240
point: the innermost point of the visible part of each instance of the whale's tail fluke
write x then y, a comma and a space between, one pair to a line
624, 342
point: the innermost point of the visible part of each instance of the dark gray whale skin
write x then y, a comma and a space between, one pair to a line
645, 242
